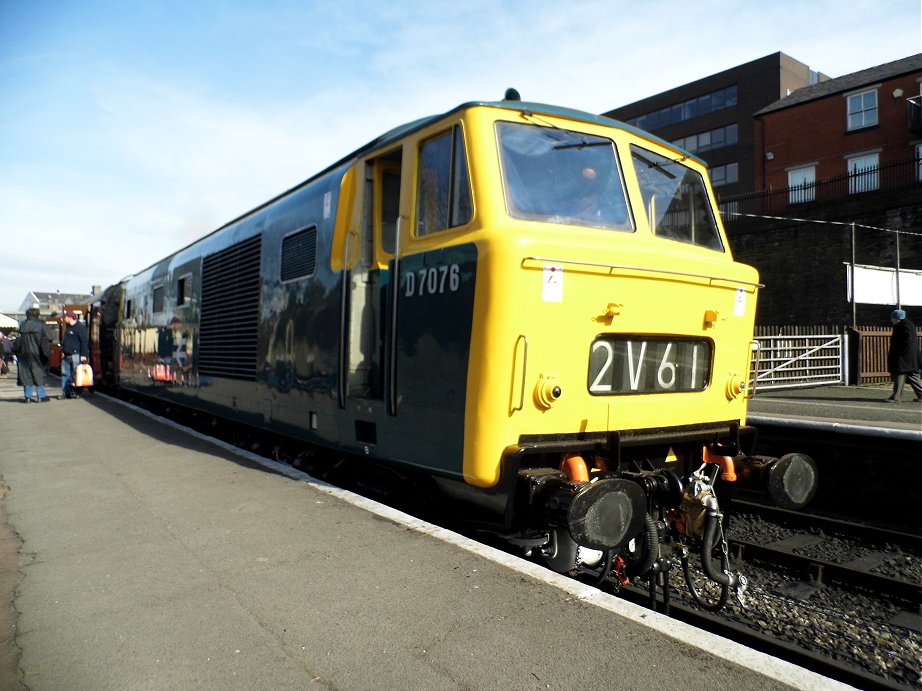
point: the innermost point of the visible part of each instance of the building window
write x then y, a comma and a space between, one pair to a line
862, 110
712, 139
725, 175
863, 173
802, 185
686, 110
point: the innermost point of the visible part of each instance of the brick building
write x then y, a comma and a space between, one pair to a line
814, 176
838, 200
846, 126
713, 117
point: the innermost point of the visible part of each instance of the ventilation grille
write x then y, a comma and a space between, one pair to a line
230, 312
299, 254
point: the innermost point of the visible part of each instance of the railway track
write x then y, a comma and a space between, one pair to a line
843, 597
831, 551
737, 628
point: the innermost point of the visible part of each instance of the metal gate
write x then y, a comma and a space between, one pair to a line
787, 362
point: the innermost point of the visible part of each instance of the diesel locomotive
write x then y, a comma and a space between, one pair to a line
533, 306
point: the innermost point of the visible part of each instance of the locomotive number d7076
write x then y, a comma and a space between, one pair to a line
640, 364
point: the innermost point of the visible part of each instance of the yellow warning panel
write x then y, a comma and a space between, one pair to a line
671, 457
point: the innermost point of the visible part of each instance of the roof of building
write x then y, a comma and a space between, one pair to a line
54, 300
848, 82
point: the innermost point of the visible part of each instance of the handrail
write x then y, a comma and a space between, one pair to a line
395, 286
651, 269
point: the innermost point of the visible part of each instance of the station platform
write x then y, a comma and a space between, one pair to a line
841, 408
151, 557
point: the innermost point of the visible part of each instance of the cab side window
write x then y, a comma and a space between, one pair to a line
443, 188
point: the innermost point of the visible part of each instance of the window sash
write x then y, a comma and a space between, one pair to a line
862, 110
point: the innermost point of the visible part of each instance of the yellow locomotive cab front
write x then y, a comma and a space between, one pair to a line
632, 319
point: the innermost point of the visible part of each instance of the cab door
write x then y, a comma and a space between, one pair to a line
368, 328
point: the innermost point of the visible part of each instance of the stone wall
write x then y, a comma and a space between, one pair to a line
804, 265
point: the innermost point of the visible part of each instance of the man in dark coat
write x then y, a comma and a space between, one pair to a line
34, 354
75, 347
904, 359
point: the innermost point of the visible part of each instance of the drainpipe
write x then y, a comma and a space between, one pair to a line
854, 318
898, 305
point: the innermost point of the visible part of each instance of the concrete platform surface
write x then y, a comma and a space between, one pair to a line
859, 406
153, 558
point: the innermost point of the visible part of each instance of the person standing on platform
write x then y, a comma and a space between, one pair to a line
75, 347
6, 353
904, 359
33, 351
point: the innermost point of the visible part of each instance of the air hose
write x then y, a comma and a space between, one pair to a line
651, 539
721, 575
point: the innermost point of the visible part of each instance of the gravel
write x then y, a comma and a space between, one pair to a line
877, 634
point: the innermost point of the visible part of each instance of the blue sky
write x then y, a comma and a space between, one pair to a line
129, 129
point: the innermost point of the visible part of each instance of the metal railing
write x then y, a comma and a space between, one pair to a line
893, 177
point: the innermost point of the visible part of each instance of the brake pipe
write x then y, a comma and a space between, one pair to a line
574, 467
728, 469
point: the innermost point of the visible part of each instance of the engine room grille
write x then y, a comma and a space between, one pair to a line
230, 312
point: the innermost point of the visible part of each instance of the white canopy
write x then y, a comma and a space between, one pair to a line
8, 322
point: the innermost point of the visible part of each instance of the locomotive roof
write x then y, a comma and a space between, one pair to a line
523, 106
401, 131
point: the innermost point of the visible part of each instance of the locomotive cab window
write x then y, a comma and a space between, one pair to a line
387, 207
676, 200
443, 187
557, 176
184, 291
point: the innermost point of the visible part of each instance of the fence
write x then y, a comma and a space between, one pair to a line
805, 356
800, 356
875, 341
902, 175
